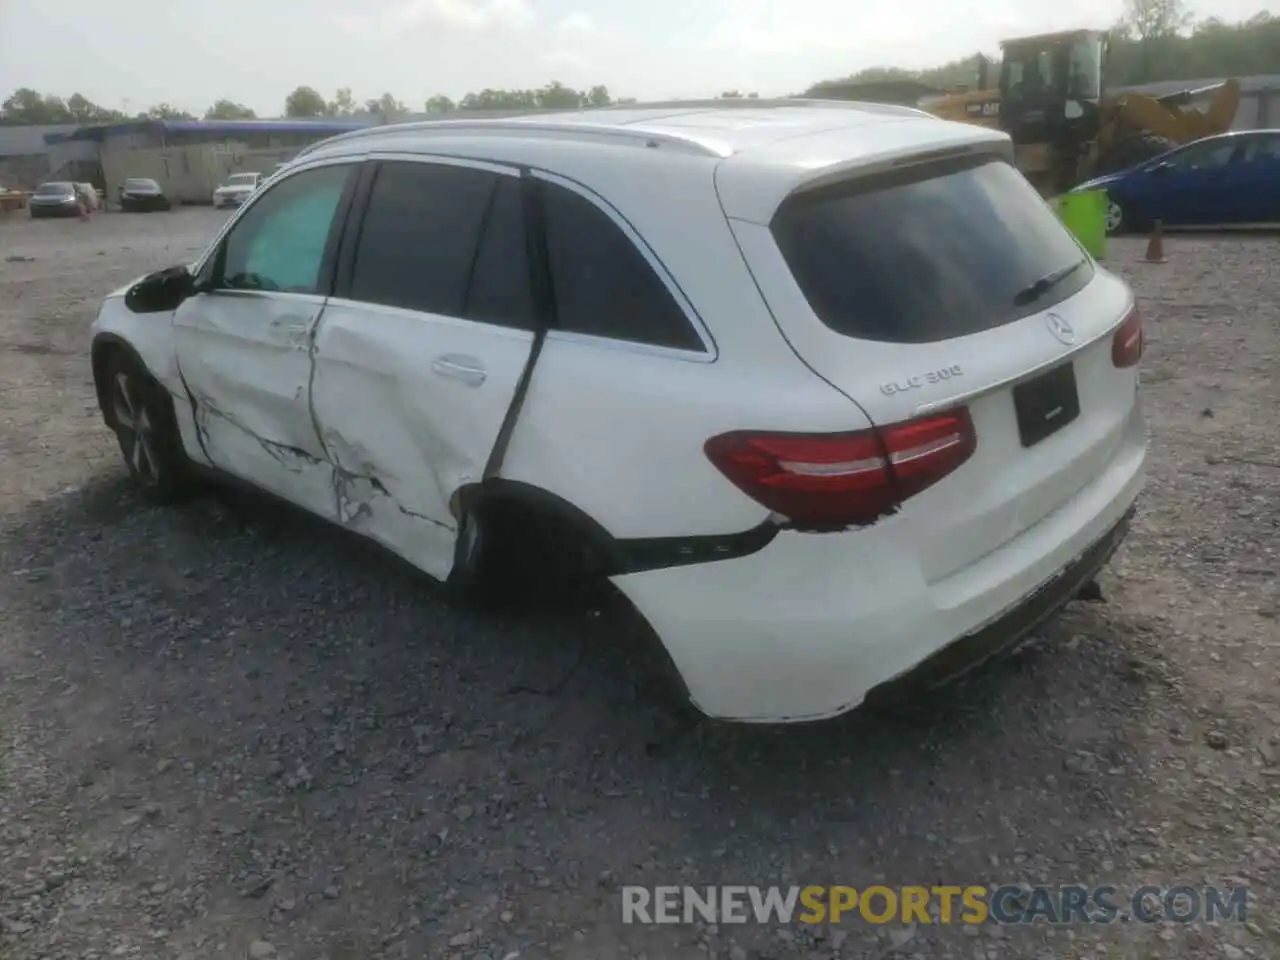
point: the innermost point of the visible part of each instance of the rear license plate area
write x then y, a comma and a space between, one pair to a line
1046, 404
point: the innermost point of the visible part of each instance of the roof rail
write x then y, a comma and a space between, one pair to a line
558, 122
747, 103
521, 124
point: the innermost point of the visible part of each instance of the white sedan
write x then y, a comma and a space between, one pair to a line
236, 189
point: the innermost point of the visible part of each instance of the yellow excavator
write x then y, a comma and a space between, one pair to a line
1049, 98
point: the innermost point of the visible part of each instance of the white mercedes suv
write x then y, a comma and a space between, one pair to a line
824, 389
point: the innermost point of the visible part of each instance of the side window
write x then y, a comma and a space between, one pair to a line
419, 236
603, 285
279, 243
500, 291
1263, 148
1205, 156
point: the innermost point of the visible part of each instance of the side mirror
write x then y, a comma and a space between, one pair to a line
160, 292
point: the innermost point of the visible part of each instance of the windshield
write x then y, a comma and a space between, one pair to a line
1084, 78
1030, 74
54, 189
242, 180
928, 253
135, 184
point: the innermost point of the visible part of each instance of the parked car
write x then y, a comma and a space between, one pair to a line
236, 189
12, 199
828, 392
1228, 180
58, 198
142, 194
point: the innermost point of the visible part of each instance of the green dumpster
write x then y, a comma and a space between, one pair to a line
1085, 215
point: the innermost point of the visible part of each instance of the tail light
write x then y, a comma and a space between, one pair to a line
844, 479
1126, 346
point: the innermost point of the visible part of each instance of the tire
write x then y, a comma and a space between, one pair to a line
1129, 153
140, 413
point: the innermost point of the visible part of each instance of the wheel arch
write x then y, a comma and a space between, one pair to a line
104, 346
605, 554
554, 514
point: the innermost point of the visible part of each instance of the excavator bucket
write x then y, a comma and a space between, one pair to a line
1172, 116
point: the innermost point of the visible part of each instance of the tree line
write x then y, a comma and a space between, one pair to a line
1154, 40
27, 107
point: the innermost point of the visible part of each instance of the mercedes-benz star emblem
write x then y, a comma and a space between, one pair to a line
1060, 328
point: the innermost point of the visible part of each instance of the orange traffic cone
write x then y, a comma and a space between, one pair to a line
1155, 246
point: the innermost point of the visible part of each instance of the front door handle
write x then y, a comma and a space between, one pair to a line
292, 323
467, 369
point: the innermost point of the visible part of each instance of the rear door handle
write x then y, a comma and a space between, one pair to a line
467, 369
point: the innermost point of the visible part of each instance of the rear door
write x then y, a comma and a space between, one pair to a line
951, 282
421, 347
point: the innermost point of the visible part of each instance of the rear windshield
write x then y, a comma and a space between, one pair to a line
54, 189
140, 184
242, 179
928, 252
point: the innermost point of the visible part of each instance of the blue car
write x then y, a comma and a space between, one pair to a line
1230, 179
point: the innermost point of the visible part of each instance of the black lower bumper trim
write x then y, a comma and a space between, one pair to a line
1007, 633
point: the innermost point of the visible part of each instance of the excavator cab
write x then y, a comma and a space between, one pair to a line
1050, 91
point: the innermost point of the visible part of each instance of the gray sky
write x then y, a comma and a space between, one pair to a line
131, 54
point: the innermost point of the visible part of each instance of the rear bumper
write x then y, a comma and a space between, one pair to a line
809, 626
1011, 629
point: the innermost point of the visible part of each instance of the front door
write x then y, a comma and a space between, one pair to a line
1194, 188
243, 343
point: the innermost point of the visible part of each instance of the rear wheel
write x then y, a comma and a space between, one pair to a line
509, 556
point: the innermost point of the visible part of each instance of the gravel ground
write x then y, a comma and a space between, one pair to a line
228, 730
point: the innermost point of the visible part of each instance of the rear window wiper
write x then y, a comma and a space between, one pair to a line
1038, 288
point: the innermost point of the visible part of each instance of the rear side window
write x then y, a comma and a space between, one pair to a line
419, 236
603, 285
928, 253
500, 291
